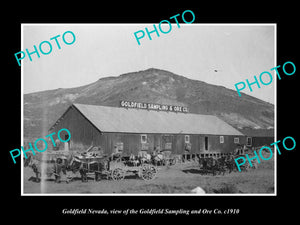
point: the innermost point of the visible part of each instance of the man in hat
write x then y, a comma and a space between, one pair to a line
59, 169
57, 144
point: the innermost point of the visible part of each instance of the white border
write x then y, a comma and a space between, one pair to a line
22, 114
185, 194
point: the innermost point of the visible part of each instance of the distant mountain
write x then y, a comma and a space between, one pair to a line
42, 109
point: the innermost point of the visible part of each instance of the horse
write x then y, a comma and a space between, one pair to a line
144, 157
50, 169
133, 161
35, 165
158, 159
208, 165
59, 167
231, 164
221, 165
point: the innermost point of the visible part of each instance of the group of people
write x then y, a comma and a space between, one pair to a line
59, 168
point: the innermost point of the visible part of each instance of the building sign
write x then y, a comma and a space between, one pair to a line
152, 106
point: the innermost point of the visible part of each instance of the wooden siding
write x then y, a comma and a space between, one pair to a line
260, 141
83, 133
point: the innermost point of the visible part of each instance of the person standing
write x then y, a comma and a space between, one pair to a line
57, 144
59, 169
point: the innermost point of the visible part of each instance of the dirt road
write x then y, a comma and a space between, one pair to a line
178, 179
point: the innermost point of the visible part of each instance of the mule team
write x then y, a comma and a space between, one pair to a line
99, 165
90, 162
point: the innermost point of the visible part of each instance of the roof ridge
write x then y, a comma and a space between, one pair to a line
128, 108
113, 119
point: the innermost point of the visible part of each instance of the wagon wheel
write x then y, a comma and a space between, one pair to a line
118, 174
49, 174
69, 177
147, 172
172, 162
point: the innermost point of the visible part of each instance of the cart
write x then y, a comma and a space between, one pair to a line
121, 168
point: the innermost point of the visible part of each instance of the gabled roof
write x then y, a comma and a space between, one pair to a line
113, 119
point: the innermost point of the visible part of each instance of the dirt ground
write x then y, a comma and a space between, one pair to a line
177, 179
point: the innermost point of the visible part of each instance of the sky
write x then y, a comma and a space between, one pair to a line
214, 53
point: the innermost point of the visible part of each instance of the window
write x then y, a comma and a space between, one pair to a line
144, 138
249, 141
167, 138
236, 140
120, 146
221, 139
186, 138
168, 146
66, 137
167, 142
206, 143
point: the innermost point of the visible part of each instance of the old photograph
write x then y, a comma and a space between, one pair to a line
145, 109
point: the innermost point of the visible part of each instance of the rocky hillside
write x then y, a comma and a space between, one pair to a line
42, 109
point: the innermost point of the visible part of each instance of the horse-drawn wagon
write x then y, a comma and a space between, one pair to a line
158, 158
217, 165
226, 163
71, 165
120, 168
115, 168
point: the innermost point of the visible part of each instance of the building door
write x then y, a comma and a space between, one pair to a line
249, 141
157, 142
167, 141
206, 143
66, 144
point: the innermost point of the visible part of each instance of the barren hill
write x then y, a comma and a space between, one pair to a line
41, 109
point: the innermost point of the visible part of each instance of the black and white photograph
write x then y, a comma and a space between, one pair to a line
149, 112
108, 111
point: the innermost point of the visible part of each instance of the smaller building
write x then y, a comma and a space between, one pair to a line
258, 137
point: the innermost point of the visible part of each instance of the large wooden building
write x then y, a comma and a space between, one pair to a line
132, 130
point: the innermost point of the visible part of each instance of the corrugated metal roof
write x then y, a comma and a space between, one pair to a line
113, 119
